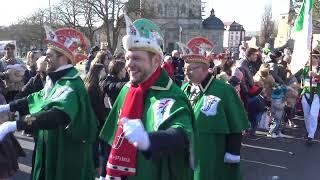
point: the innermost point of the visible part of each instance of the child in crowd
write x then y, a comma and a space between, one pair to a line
277, 110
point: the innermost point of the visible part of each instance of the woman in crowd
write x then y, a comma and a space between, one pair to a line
92, 80
37, 82
115, 80
102, 58
109, 89
32, 57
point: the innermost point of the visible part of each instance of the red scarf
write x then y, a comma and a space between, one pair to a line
122, 158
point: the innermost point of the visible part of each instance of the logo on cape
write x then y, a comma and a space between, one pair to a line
210, 105
161, 110
61, 93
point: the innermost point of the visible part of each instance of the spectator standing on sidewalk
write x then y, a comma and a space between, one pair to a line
12, 71
265, 80
92, 54
91, 83
168, 66
178, 63
243, 65
277, 110
110, 87
291, 99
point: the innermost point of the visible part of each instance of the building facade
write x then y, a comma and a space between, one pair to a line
233, 35
179, 21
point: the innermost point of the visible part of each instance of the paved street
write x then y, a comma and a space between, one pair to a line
262, 158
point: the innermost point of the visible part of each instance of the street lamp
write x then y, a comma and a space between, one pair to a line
50, 12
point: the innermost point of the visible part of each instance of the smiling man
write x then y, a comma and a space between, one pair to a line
62, 115
149, 126
219, 117
12, 72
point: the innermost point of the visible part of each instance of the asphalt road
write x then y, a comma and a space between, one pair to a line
263, 158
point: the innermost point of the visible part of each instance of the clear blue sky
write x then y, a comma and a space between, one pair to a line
246, 12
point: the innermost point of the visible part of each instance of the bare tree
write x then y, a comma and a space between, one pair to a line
110, 12
267, 26
69, 13
90, 19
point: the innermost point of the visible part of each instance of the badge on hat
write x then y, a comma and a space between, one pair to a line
143, 35
68, 41
198, 49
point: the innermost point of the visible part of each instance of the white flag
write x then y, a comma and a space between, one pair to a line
302, 34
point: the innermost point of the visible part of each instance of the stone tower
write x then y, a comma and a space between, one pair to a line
172, 16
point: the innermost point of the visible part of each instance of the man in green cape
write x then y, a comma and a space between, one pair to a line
150, 124
62, 115
220, 117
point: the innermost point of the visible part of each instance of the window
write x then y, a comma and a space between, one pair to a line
237, 32
183, 8
160, 9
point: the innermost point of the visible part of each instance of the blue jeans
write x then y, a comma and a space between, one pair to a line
254, 123
277, 111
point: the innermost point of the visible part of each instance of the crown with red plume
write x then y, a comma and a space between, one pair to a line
68, 41
198, 49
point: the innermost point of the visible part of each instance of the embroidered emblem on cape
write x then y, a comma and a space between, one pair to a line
210, 105
61, 93
161, 110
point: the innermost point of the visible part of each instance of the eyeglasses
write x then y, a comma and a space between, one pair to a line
9, 49
192, 68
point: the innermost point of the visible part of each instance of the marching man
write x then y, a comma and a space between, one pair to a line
61, 113
149, 126
220, 117
310, 96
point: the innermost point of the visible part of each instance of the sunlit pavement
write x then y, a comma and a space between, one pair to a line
263, 158
287, 158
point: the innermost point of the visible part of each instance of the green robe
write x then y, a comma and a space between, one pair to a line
306, 84
218, 112
165, 107
68, 150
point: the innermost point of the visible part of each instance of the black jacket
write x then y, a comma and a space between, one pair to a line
111, 87
34, 84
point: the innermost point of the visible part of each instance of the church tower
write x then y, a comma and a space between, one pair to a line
175, 18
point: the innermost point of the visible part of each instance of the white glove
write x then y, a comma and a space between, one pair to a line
7, 127
135, 133
4, 108
230, 158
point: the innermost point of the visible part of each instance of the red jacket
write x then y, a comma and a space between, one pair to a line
169, 68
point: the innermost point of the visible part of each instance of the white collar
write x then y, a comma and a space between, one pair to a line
63, 67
